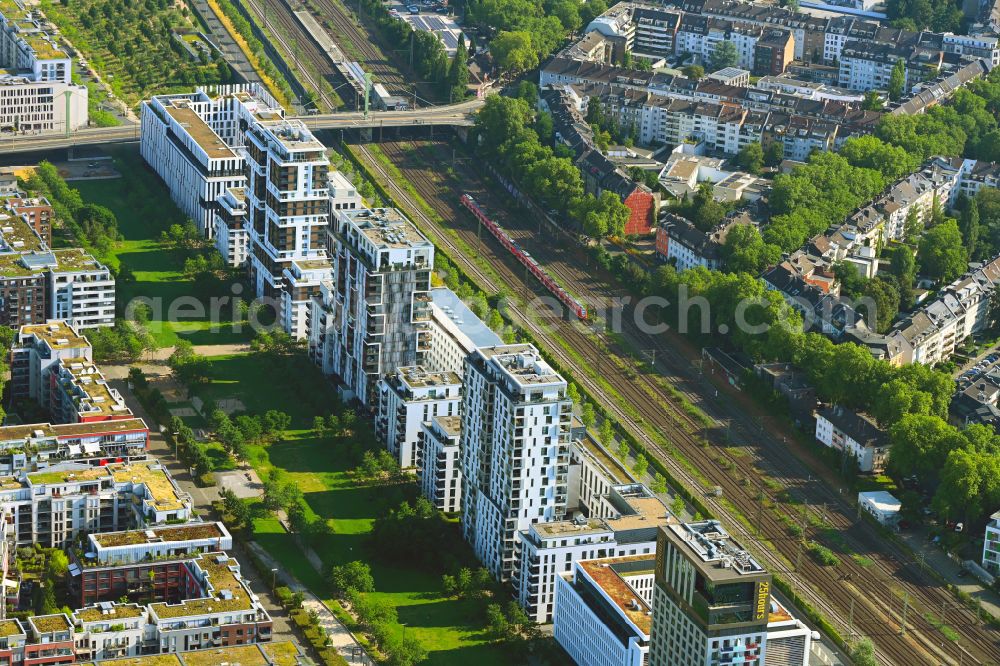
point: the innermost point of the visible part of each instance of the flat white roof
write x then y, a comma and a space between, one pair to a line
881, 500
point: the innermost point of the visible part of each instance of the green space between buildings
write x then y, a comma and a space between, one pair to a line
144, 210
449, 629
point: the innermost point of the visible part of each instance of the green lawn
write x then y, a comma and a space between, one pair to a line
448, 628
143, 207
296, 386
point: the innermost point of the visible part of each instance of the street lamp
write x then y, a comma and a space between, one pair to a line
274, 574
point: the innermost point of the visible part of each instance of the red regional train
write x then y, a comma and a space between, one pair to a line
550, 283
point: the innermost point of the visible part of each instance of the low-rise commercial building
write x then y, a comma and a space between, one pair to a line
880, 505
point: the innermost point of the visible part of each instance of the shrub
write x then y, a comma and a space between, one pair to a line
823, 555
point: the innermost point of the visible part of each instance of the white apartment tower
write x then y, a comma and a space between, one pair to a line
287, 204
515, 445
81, 289
408, 398
230, 231
439, 471
373, 317
193, 142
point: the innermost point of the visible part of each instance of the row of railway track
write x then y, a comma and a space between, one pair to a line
333, 14
868, 598
293, 40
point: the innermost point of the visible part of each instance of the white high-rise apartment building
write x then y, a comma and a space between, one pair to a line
194, 143
230, 226
409, 398
373, 317
288, 212
439, 471
711, 599
548, 550
514, 450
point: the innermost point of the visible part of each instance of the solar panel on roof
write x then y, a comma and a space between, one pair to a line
39, 260
450, 42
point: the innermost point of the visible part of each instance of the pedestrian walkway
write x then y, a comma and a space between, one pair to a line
340, 637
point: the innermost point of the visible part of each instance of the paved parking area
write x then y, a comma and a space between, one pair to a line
431, 17
243, 483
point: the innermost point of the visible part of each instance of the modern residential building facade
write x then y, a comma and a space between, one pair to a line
55, 505
195, 143
991, 545
604, 610
374, 315
37, 93
711, 599
288, 213
547, 550
439, 471
408, 398
514, 449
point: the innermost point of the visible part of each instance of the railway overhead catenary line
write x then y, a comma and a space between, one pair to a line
344, 24
868, 598
298, 47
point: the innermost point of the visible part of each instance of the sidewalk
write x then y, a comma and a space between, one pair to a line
340, 637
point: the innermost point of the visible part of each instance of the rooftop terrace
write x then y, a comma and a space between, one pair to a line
610, 575
189, 532
10, 628
146, 660
708, 543
57, 334
18, 433
417, 376
162, 492
67, 473
387, 228
47, 624
76, 259
244, 655
109, 612
228, 594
